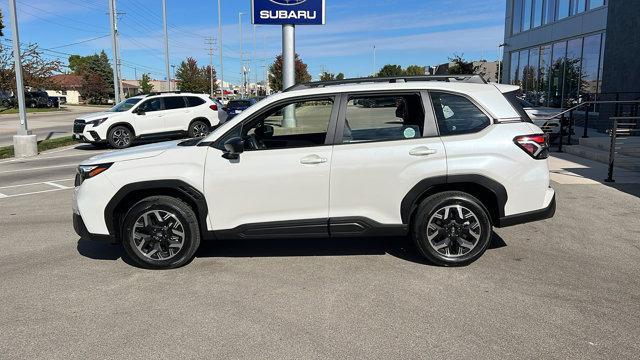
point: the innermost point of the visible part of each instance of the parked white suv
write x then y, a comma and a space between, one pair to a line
441, 161
149, 116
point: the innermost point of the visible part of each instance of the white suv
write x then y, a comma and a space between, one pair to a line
149, 116
441, 161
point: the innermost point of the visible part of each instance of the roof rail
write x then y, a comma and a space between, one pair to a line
476, 79
163, 92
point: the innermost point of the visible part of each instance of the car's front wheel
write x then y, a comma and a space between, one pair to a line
452, 228
120, 137
161, 232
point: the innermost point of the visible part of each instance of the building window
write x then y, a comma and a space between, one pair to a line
514, 74
523, 66
545, 74
550, 14
572, 73
563, 9
557, 74
596, 3
537, 13
532, 76
579, 6
526, 17
590, 66
517, 17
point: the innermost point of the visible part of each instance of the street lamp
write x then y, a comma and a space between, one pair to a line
242, 70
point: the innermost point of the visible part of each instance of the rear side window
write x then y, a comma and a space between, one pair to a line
519, 105
383, 118
174, 102
457, 115
194, 101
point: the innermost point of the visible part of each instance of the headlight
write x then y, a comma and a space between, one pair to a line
89, 171
96, 122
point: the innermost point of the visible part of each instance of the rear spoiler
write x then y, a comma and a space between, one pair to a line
505, 88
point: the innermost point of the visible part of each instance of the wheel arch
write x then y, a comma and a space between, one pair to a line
119, 205
491, 194
125, 124
199, 118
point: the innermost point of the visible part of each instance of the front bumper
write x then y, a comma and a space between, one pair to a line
81, 230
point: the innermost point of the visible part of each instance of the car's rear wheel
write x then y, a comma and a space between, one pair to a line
452, 228
161, 232
120, 137
199, 129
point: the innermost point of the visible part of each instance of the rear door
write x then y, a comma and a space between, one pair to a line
176, 113
385, 144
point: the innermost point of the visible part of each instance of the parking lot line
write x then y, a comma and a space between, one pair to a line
32, 193
38, 183
3, 195
62, 187
39, 168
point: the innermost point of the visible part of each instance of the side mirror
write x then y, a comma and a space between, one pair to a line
234, 147
139, 111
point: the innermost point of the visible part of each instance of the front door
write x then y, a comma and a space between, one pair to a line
279, 185
385, 145
149, 117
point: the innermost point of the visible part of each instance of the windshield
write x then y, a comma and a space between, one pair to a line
125, 105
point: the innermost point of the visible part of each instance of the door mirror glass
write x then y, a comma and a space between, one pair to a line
233, 148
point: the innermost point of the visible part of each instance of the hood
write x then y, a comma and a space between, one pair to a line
96, 115
138, 152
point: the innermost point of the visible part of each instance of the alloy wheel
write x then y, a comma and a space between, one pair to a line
453, 231
121, 137
158, 235
200, 130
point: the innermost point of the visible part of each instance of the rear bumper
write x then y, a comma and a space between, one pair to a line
530, 216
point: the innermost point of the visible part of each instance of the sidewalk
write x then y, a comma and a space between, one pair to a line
570, 169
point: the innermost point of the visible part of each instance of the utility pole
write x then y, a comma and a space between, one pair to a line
173, 69
113, 20
220, 40
166, 43
373, 73
242, 69
24, 144
254, 63
211, 41
289, 70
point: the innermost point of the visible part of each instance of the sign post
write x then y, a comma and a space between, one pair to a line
288, 14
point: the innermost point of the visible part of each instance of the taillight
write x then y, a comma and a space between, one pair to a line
537, 146
213, 107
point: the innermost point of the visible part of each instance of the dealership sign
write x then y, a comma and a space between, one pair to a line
288, 12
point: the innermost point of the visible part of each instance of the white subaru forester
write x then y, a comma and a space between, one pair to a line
441, 159
149, 116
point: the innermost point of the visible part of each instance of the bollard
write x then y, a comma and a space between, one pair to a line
612, 151
586, 124
561, 133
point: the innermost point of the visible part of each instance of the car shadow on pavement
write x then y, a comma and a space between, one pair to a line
400, 247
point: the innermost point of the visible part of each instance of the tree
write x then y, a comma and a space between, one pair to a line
275, 73
340, 76
36, 70
191, 77
415, 70
327, 76
97, 76
208, 71
1, 24
145, 84
390, 71
462, 67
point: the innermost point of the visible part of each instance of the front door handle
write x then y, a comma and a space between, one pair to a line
422, 151
313, 160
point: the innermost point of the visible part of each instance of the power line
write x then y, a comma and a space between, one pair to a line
80, 42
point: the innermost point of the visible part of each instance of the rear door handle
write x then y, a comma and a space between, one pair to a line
313, 160
422, 151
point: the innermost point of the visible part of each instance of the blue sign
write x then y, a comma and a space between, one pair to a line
288, 12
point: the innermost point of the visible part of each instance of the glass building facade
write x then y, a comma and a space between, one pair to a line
557, 73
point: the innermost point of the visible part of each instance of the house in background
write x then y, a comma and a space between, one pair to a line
132, 87
69, 85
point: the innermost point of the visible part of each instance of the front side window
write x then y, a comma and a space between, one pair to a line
457, 115
296, 124
174, 102
125, 105
383, 118
151, 105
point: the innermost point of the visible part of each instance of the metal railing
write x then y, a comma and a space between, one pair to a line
620, 132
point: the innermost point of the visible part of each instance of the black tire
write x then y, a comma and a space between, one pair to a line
199, 129
138, 249
460, 230
6, 103
120, 137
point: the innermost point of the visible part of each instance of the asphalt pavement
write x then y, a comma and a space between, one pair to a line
45, 125
564, 288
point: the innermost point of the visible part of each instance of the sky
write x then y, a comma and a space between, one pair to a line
404, 32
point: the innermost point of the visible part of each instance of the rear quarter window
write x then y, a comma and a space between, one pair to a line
518, 105
457, 115
194, 101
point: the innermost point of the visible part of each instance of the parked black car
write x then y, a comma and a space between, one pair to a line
7, 100
36, 99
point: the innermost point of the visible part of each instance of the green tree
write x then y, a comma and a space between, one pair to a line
97, 76
145, 84
191, 77
1, 24
275, 73
327, 76
415, 70
36, 69
460, 66
340, 76
208, 71
390, 71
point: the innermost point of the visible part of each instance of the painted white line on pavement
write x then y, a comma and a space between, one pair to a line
32, 193
39, 168
37, 183
62, 187
3, 195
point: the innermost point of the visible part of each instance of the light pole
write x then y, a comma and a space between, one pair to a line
289, 70
254, 64
373, 73
220, 42
173, 68
166, 43
24, 144
242, 70
499, 79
